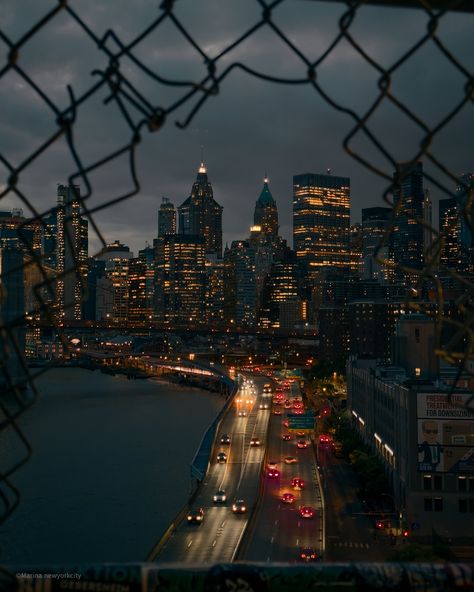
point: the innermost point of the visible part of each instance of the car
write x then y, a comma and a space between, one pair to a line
277, 401
222, 457
300, 434
225, 439
254, 441
273, 473
272, 464
286, 437
277, 412
297, 405
308, 554
289, 460
323, 439
267, 388
242, 413
288, 498
219, 497
195, 516
302, 444
307, 512
239, 507
298, 411
287, 405
297, 483
264, 406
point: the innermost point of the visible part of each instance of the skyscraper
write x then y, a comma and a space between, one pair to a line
71, 252
117, 259
166, 218
201, 215
374, 243
240, 296
180, 274
408, 233
12, 313
456, 216
450, 230
266, 213
281, 304
465, 199
321, 221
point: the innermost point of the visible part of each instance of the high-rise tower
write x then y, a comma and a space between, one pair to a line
409, 200
166, 218
200, 215
375, 245
321, 221
266, 213
455, 224
71, 252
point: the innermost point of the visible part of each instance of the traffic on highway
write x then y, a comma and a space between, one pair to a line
260, 499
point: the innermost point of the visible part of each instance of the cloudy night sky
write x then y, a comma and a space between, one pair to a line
250, 127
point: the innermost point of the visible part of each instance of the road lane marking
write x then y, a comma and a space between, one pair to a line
190, 543
272, 539
223, 523
214, 543
297, 542
276, 522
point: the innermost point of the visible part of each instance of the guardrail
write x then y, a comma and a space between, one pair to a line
143, 577
208, 440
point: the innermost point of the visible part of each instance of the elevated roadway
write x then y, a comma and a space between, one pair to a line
217, 538
278, 532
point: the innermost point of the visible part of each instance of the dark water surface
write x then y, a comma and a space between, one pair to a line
110, 466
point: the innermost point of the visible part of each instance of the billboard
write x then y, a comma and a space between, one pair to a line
445, 433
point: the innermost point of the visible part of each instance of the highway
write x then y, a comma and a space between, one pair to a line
278, 532
216, 539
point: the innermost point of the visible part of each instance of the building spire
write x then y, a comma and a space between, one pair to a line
202, 168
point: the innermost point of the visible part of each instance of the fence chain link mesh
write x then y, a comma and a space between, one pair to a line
142, 116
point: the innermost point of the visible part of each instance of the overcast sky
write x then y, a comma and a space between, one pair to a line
251, 127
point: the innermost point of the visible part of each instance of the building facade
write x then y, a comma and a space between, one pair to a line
117, 258
71, 252
408, 232
376, 246
200, 215
321, 222
420, 431
166, 218
180, 280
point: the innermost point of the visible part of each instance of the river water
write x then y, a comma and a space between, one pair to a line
110, 467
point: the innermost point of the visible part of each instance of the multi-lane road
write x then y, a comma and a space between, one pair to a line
276, 531
279, 532
217, 538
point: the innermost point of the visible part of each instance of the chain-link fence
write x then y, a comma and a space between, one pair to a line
115, 72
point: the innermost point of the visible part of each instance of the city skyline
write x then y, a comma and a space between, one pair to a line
248, 128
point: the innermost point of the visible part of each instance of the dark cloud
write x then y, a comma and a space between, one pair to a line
251, 126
